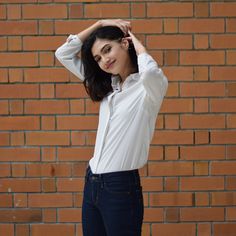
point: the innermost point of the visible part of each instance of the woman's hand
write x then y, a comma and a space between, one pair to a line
125, 26
139, 48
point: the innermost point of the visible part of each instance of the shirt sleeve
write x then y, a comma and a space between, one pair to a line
152, 77
67, 55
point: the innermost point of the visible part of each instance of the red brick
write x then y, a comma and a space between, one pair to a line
7, 229
14, 12
20, 200
231, 25
170, 25
77, 122
153, 215
222, 73
20, 185
3, 12
18, 59
76, 11
70, 185
172, 137
22, 230
223, 137
15, 43
138, 10
172, 215
201, 41
19, 123
174, 229
169, 9
202, 89
50, 215
70, 91
102, 10
179, 73
50, 200
48, 123
18, 170
227, 105
19, 216
201, 168
202, 121
48, 170
69, 215
231, 213
41, 11
78, 107
50, 229
151, 26
36, 43
15, 75
20, 154
174, 169
201, 25
152, 184
19, 91
46, 75
202, 57
202, 199
169, 42
202, 214
231, 152
4, 139
171, 183
223, 9
177, 105
201, 183
46, 107
230, 89
223, 168
231, 183
201, 9
202, 137
47, 138
18, 27
223, 41
223, 199
171, 199
202, 152
228, 229
5, 201
75, 154
46, 27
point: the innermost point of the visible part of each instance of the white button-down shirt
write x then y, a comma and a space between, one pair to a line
127, 115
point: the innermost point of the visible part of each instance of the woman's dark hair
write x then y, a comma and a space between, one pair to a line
97, 82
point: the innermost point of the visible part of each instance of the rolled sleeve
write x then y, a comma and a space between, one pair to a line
67, 55
153, 78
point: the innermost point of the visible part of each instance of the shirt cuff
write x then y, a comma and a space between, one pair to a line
146, 62
74, 38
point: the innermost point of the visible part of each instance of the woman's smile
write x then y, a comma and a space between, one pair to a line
108, 66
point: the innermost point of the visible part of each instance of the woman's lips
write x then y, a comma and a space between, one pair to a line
110, 65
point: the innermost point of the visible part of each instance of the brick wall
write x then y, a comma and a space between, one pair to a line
48, 123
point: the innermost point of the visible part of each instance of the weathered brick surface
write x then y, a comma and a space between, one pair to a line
48, 124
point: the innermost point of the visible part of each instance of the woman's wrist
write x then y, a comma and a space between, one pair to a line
85, 33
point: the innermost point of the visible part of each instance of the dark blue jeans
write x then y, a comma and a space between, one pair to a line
112, 204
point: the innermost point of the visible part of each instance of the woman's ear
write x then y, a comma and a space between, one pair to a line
125, 43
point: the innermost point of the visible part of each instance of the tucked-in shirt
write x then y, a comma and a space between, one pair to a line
127, 115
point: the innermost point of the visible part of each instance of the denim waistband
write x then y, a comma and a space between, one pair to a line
127, 175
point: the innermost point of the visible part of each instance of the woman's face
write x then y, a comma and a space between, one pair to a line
111, 56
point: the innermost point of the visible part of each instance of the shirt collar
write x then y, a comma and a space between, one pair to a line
115, 80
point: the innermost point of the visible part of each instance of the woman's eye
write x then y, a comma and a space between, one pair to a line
107, 49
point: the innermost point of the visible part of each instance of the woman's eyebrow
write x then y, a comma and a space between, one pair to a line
101, 49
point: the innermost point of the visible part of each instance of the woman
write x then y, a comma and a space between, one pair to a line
117, 70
